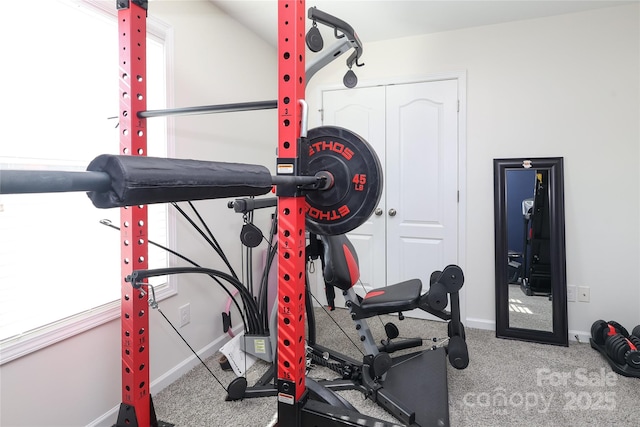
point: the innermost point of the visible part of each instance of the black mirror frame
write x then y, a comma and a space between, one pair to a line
560, 334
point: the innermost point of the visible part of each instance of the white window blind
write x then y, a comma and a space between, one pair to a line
60, 89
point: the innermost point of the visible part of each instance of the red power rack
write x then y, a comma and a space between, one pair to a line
137, 407
291, 215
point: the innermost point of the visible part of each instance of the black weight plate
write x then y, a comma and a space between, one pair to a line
616, 347
632, 356
619, 328
357, 176
597, 331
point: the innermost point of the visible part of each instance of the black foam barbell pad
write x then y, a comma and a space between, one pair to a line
636, 331
458, 352
139, 180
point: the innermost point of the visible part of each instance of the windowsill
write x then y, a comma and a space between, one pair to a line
21, 345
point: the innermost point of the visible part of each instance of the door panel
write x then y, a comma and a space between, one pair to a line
422, 179
361, 110
414, 253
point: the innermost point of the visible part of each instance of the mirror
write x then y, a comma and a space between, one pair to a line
531, 291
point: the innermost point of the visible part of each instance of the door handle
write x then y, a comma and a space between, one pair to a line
392, 212
378, 211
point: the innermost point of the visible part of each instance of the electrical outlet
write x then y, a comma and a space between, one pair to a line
185, 315
571, 293
583, 293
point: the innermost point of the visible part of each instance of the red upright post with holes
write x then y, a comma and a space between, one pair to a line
291, 215
136, 408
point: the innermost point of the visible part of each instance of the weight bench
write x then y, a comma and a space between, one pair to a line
412, 387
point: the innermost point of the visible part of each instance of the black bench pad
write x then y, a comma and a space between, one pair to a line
393, 298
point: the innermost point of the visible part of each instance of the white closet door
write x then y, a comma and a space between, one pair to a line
362, 110
414, 129
422, 179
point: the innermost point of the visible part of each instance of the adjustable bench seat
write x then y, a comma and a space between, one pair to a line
403, 296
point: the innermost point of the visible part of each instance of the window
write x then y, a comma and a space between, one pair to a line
58, 263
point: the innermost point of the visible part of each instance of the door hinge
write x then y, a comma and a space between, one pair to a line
321, 115
458, 105
458, 196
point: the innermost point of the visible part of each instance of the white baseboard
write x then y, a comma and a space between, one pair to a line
489, 325
109, 418
579, 336
189, 363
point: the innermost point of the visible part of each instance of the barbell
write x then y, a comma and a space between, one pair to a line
339, 174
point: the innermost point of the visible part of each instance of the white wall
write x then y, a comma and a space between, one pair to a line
76, 381
560, 86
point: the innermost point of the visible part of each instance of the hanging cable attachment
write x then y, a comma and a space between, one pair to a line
153, 302
439, 342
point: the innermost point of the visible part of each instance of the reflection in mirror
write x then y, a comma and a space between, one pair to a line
530, 250
528, 233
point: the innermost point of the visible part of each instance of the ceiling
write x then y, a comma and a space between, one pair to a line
375, 20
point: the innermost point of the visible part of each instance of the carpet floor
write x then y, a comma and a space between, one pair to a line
507, 383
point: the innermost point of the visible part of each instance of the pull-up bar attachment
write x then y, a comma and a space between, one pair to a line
210, 109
